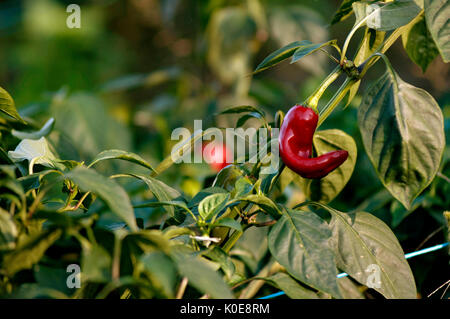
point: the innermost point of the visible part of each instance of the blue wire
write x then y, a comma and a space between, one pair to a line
341, 275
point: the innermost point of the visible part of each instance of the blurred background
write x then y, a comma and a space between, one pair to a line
137, 69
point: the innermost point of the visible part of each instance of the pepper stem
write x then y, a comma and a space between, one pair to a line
337, 97
313, 100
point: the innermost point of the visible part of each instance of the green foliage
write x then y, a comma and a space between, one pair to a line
114, 196
299, 241
327, 188
7, 105
361, 236
151, 226
385, 17
436, 15
397, 146
419, 45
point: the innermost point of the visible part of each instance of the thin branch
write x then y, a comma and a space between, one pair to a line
429, 237
182, 288
445, 283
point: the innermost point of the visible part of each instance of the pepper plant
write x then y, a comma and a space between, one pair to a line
59, 214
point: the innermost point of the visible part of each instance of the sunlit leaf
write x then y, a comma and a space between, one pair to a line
212, 205
201, 276
419, 44
108, 190
292, 288
44, 131
299, 241
8, 231
161, 271
327, 188
362, 242
280, 55
122, 155
386, 16
29, 252
309, 48
344, 11
403, 134
437, 14
7, 105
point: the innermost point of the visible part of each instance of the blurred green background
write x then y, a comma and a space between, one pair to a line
138, 69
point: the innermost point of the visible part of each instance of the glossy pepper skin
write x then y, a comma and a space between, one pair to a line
296, 142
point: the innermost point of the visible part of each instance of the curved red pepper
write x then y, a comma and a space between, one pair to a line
296, 139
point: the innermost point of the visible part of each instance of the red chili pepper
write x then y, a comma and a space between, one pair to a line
216, 155
296, 140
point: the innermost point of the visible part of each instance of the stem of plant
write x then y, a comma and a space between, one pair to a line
313, 100
182, 288
115, 272
338, 96
232, 240
350, 35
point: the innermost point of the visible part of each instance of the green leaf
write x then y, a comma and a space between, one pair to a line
349, 289
344, 11
299, 242
8, 231
291, 287
37, 291
122, 155
84, 120
242, 109
280, 55
289, 22
419, 44
201, 276
161, 271
228, 222
403, 133
371, 41
230, 34
242, 187
388, 16
227, 177
307, 48
437, 14
29, 252
243, 119
327, 188
264, 203
7, 105
174, 203
132, 81
216, 254
204, 193
4, 158
108, 190
160, 190
212, 205
96, 263
360, 240
44, 131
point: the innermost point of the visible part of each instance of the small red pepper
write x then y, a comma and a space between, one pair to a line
296, 141
216, 155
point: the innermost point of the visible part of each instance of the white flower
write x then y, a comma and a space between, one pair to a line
35, 151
